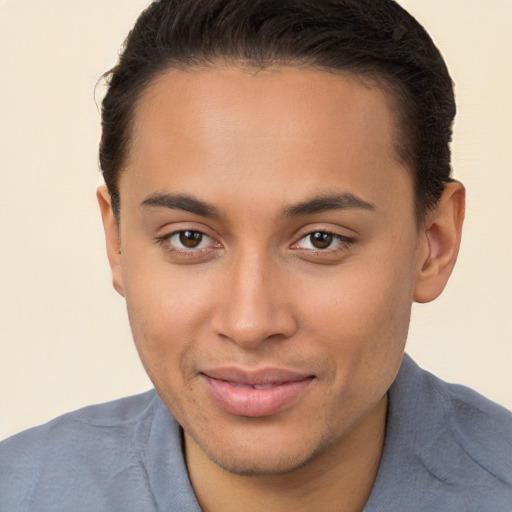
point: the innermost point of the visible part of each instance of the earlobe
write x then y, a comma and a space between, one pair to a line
441, 236
112, 239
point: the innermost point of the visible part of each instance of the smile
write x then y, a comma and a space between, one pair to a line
255, 394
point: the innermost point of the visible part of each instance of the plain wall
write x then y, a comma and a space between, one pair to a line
65, 341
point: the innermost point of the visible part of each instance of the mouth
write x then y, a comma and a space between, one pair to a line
255, 394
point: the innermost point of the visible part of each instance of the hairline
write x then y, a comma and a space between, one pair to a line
372, 78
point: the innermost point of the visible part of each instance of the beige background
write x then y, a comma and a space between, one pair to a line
65, 340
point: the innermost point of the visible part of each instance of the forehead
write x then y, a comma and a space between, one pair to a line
282, 124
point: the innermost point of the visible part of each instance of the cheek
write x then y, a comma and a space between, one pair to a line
167, 312
362, 312
160, 295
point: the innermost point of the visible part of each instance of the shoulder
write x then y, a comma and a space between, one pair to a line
87, 423
75, 453
479, 424
481, 428
447, 447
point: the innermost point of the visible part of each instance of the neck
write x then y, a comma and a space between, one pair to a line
341, 478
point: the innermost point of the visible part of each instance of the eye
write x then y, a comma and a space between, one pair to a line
322, 240
186, 242
188, 246
188, 239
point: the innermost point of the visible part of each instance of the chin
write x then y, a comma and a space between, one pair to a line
263, 465
263, 458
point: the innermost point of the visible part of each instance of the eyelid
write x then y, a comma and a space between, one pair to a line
340, 237
344, 242
204, 236
164, 240
335, 230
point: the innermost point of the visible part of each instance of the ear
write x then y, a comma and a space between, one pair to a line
441, 235
112, 238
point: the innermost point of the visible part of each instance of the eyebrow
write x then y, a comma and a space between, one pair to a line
326, 203
181, 202
318, 204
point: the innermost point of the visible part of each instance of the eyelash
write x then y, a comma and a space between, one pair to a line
344, 243
165, 242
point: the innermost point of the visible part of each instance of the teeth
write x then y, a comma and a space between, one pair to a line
238, 385
255, 386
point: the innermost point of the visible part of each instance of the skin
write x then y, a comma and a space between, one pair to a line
256, 146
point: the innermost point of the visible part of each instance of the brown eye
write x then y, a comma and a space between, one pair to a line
190, 239
321, 244
188, 243
321, 240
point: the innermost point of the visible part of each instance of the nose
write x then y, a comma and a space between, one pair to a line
254, 306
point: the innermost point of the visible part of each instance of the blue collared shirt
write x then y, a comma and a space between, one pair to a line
447, 449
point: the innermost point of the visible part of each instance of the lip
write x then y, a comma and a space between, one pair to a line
255, 393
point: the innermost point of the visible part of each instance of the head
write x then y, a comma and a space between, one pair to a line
279, 193
376, 41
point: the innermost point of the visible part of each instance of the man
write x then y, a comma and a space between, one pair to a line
278, 193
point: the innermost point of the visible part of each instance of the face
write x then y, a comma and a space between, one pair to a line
269, 254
